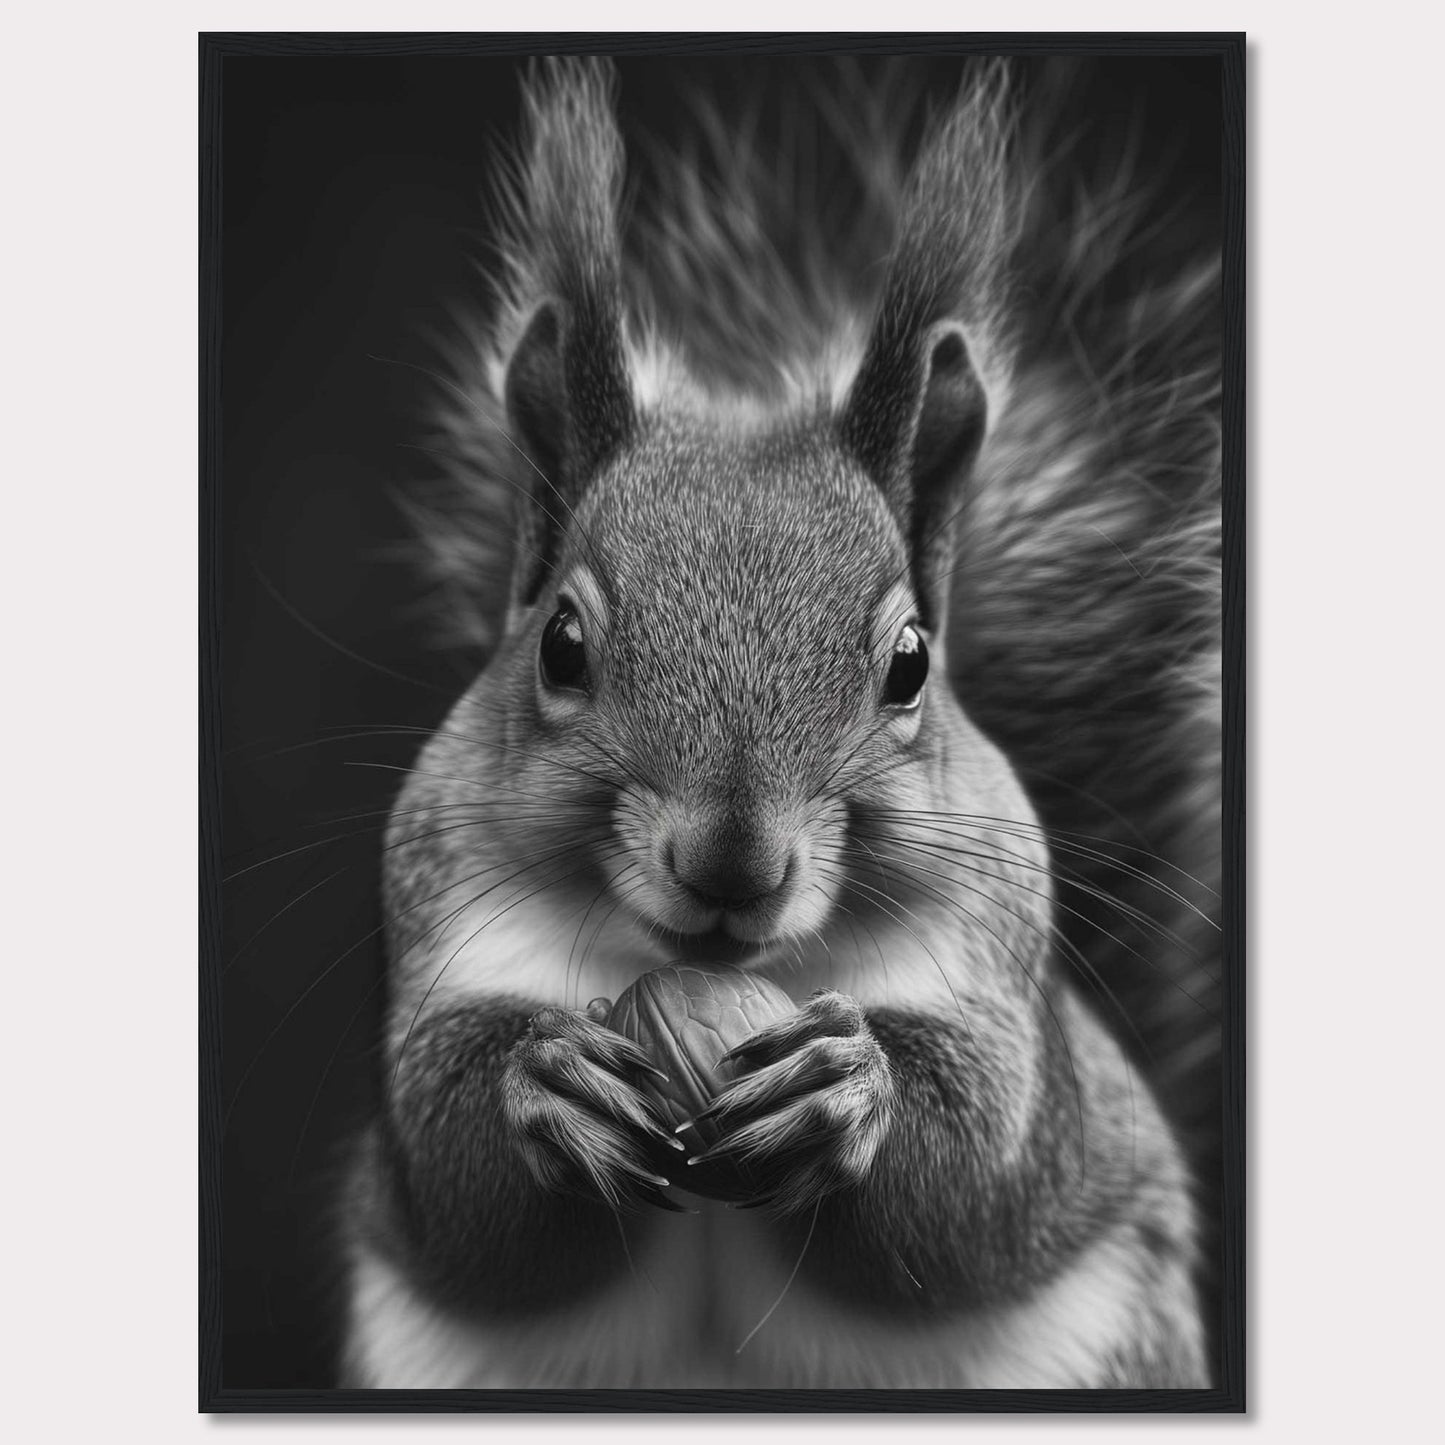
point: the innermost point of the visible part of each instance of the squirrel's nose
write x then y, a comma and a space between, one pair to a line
723, 870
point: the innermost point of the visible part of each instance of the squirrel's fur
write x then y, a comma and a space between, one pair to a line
717, 408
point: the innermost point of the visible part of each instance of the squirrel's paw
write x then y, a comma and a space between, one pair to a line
570, 1093
812, 1106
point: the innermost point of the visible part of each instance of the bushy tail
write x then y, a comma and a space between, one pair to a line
760, 248
1087, 611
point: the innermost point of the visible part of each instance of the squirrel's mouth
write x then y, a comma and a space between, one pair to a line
713, 945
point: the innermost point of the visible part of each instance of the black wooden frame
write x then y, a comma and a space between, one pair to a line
1229, 1396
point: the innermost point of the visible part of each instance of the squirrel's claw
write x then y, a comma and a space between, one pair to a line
810, 1113
579, 1118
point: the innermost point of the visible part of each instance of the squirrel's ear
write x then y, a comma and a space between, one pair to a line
915, 419
569, 408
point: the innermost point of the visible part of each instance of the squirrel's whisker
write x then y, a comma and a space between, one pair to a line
341, 958
1048, 936
946, 853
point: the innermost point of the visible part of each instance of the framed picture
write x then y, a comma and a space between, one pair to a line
722, 722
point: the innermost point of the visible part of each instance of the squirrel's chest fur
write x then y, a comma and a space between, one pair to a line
679, 1316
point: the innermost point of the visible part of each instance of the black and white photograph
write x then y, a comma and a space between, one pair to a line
723, 726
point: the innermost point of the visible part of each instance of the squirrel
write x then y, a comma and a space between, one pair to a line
848, 627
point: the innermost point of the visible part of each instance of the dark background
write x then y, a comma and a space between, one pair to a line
353, 220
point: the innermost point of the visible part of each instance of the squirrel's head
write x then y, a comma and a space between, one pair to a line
735, 629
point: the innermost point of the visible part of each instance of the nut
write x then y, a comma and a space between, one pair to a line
686, 1018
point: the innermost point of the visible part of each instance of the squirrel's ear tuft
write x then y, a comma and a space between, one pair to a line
916, 419
568, 397
940, 351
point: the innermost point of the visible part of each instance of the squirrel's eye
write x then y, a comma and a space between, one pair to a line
908, 670
564, 658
